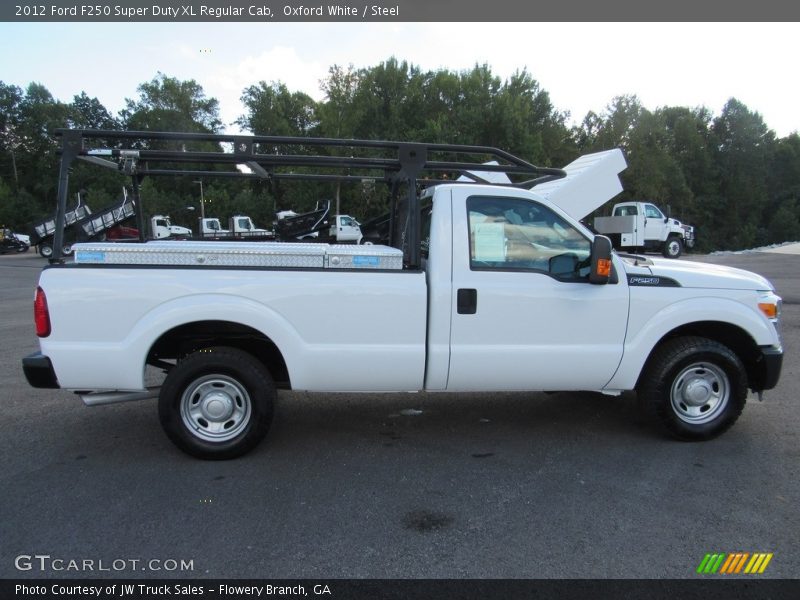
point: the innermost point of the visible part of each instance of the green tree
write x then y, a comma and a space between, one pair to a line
10, 125
168, 104
89, 113
338, 113
389, 101
784, 191
744, 152
273, 110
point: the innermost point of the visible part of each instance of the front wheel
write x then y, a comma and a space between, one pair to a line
46, 250
673, 247
217, 403
694, 387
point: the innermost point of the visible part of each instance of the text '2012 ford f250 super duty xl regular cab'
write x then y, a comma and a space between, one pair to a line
484, 287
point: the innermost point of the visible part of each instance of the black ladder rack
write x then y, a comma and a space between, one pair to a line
398, 164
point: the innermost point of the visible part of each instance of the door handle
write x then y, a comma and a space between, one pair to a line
467, 301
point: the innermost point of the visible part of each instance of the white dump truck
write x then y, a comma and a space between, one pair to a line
240, 227
161, 228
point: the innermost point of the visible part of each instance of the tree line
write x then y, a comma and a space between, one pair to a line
729, 174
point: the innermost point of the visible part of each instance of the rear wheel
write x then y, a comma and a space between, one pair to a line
694, 387
217, 403
46, 250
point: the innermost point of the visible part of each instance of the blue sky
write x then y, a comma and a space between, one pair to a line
581, 65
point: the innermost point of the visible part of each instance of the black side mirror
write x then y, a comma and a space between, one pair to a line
601, 260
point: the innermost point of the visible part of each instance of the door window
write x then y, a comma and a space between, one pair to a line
651, 212
517, 234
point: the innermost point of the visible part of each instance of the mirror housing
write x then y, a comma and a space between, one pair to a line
600, 271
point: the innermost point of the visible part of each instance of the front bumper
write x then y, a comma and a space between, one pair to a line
39, 371
770, 364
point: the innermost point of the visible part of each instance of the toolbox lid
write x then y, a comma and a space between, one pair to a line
240, 254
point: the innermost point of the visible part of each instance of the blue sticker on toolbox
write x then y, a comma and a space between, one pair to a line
91, 257
372, 261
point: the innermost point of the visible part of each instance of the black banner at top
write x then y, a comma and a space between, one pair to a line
268, 11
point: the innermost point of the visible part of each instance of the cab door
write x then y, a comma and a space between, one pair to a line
654, 226
524, 315
348, 229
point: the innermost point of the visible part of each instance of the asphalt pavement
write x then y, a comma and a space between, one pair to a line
394, 486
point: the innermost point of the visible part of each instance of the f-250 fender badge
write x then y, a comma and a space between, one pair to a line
652, 281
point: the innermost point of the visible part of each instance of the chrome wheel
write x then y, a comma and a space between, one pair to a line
215, 408
700, 393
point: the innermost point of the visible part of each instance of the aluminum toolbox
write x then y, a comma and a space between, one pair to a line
240, 254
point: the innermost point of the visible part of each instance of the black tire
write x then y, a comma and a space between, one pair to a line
217, 403
46, 250
673, 247
694, 387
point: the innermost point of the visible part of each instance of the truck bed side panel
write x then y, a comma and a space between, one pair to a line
337, 331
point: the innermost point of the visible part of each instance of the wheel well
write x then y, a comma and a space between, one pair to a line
186, 339
731, 336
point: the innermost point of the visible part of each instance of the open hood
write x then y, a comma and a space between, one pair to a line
591, 181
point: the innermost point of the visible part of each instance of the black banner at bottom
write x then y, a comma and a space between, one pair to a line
402, 589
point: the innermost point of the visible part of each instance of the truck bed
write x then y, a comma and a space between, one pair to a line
343, 321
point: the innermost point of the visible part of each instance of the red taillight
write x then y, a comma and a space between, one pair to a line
40, 313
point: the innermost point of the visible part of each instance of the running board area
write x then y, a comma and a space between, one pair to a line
99, 398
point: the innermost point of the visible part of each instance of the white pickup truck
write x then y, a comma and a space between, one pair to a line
508, 293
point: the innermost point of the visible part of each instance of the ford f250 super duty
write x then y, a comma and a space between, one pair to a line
479, 287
